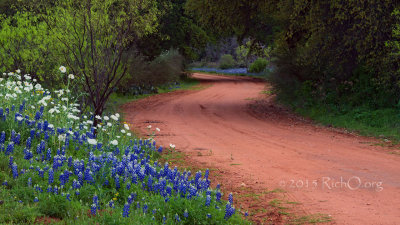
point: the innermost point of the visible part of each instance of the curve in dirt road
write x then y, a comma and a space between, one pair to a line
327, 171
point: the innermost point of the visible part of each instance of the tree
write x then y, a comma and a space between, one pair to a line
240, 17
96, 36
177, 29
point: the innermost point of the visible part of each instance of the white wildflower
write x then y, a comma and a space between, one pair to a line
158, 129
92, 141
114, 117
18, 71
71, 76
19, 118
114, 142
62, 69
62, 137
106, 118
129, 134
123, 131
126, 126
149, 126
171, 145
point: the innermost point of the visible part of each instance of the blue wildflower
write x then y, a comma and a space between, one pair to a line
51, 176
2, 137
14, 170
125, 212
208, 200
10, 148
177, 218
93, 209
230, 198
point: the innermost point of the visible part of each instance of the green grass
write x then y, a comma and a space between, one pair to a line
264, 76
382, 123
117, 99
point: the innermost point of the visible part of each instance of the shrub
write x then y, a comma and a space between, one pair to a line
144, 76
226, 62
258, 66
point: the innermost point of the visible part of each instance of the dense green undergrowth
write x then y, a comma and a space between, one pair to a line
381, 123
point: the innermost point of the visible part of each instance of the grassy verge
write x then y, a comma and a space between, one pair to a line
381, 123
117, 99
261, 76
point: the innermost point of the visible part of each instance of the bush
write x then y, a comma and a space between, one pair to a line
258, 66
145, 76
226, 62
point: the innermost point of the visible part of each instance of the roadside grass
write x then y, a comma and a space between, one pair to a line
116, 99
263, 76
381, 123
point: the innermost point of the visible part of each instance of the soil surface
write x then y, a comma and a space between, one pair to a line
232, 125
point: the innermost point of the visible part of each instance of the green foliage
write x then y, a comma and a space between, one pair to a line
240, 17
336, 52
143, 77
226, 62
25, 44
176, 30
258, 66
96, 37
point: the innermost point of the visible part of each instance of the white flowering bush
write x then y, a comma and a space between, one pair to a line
55, 162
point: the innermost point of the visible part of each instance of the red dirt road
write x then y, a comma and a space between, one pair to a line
327, 171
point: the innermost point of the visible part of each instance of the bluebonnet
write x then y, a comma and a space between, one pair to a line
10, 162
208, 200
68, 197
177, 218
17, 139
125, 212
38, 115
29, 182
2, 137
14, 170
93, 209
48, 154
229, 211
208, 215
96, 201
36, 199
186, 214
218, 196
28, 143
117, 184
10, 148
51, 176
230, 198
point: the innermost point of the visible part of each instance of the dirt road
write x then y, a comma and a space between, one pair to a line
327, 171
